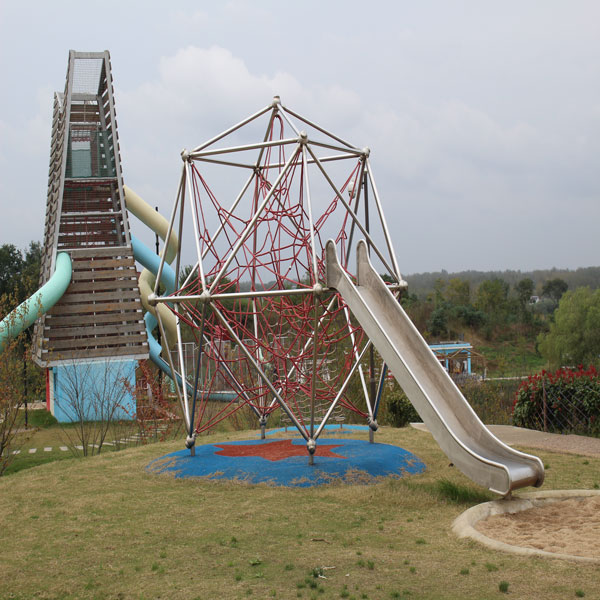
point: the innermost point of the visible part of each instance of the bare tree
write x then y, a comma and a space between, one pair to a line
11, 386
90, 397
158, 417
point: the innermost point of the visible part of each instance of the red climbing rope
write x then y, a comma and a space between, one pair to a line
280, 329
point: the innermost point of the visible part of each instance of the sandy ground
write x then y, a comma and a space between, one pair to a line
570, 526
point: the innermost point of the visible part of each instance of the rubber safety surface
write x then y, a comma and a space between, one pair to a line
285, 462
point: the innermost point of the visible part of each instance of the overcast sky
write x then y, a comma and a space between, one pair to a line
483, 118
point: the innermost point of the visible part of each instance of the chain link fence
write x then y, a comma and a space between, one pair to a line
491, 399
563, 402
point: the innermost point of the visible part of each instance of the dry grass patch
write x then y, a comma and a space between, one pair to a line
105, 528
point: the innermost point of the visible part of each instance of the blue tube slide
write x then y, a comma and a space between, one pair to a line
39, 303
151, 261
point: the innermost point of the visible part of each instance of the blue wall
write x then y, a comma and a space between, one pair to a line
94, 390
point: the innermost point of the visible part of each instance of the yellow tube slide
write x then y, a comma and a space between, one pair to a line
155, 221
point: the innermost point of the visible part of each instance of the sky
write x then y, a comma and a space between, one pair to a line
483, 118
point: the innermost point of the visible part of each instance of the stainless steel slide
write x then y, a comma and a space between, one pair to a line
457, 429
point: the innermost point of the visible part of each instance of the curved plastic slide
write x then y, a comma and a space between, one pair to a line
157, 223
151, 262
152, 219
457, 429
39, 303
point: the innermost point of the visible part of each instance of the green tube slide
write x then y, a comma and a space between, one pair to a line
39, 303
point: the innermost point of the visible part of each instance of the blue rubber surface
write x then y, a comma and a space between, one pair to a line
355, 461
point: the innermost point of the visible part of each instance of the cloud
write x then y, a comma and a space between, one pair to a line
448, 161
199, 92
445, 161
24, 156
195, 19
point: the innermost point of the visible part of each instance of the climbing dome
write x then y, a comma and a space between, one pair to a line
265, 332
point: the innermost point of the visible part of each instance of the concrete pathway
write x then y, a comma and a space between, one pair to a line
554, 442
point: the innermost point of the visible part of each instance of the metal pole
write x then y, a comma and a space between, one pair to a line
386, 232
372, 388
249, 227
545, 405
195, 224
310, 161
341, 391
236, 295
349, 210
269, 144
356, 191
25, 387
310, 217
382, 377
234, 128
261, 373
177, 390
179, 198
319, 128
313, 386
158, 338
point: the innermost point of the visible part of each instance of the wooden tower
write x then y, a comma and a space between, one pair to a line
100, 315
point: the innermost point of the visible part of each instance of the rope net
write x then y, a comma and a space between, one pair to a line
264, 330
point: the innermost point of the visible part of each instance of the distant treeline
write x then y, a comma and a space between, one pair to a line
421, 284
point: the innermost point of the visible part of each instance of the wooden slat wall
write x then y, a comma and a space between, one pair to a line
56, 151
100, 313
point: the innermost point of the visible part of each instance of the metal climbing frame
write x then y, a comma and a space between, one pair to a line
259, 279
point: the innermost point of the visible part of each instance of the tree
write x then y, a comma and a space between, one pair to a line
437, 324
492, 296
11, 264
555, 288
574, 336
469, 315
11, 400
19, 273
524, 290
439, 288
458, 291
12, 392
93, 396
30, 272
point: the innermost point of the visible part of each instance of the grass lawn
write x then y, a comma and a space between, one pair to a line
509, 358
43, 432
102, 527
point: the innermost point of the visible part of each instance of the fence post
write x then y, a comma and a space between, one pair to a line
545, 404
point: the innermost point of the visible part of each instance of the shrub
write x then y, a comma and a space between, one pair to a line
492, 400
565, 400
437, 324
400, 410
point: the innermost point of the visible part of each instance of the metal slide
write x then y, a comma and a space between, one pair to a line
457, 429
